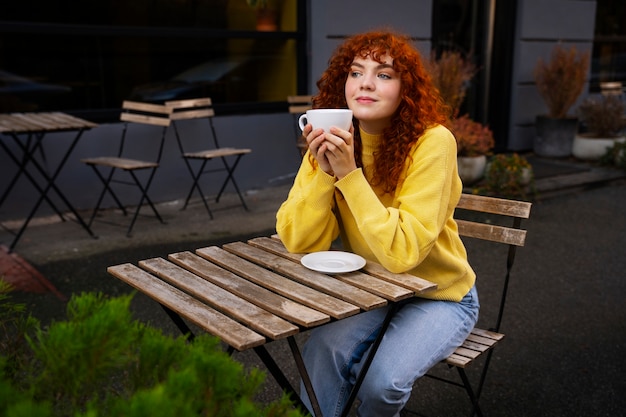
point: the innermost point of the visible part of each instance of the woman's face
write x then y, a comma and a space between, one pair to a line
373, 92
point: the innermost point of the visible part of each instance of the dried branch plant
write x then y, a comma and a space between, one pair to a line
451, 74
603, 116
561, 80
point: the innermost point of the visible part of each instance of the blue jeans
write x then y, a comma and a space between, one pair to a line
421, 334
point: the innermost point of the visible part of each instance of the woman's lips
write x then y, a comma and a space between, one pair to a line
365, 100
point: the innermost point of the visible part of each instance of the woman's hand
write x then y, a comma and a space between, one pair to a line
333, 151
339, 151
315, 139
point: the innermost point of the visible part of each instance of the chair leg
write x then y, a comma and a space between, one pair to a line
229, 177
476, 411
196, 178
144, 196
107, 187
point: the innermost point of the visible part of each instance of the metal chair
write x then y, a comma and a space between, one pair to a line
493, 220
109, 168
201, 108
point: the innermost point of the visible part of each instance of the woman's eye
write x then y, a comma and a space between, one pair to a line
384, 76
355, 73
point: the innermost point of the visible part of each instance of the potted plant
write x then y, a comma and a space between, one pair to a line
451, 73
603, 117
474, 142
508, 176
266, 17
560, 82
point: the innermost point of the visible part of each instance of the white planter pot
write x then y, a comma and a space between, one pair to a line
471, 168
591, 149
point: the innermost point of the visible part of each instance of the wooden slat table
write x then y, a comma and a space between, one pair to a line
34, 126
252, 293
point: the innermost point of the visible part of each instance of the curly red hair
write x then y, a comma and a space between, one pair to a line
421, 105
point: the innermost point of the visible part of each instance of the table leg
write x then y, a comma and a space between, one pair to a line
280, 377
306, 380
368, 361
51, 185
180, 323
28, 152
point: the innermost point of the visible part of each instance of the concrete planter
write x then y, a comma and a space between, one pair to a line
554, 136
471, 168
590, 148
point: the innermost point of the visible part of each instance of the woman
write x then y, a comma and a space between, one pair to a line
388, 187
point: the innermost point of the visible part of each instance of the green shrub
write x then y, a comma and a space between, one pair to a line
615, 155
100, 362
508, 176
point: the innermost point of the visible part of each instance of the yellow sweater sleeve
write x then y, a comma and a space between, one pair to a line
306, 221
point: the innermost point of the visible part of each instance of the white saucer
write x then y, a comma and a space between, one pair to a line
333, 262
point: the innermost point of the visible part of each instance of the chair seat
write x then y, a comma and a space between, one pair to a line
216, 153
120, 163
478, 342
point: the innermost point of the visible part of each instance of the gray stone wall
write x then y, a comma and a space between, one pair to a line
541, 24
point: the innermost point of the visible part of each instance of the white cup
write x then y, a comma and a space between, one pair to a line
325, 118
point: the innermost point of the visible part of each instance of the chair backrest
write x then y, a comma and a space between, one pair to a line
195, 108
147, 114
494, 229
297, 106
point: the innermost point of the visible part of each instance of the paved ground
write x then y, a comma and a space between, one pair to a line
565, 319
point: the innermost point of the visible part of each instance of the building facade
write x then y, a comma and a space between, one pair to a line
254, 70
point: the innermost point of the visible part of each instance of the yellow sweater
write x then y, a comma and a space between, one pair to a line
411, 231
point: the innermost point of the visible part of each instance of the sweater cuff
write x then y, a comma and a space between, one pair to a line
353, 179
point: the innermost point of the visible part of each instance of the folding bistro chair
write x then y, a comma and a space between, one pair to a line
109, 168
201, 108
297, 106
489, 217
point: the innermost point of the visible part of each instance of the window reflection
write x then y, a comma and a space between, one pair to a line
609, 48
76, 56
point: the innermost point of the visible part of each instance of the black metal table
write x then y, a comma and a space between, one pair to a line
28, 130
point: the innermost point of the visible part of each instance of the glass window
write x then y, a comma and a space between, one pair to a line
608, 62
82, 57
459, 26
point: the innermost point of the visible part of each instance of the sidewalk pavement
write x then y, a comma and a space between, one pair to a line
565, 320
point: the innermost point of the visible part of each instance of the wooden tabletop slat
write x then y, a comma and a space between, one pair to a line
42, 122
358, 279
33, 121
248, 313
316, 280
417, 284
295, 291
376, 286
411, 282
264, 298
230, 331
9, 123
